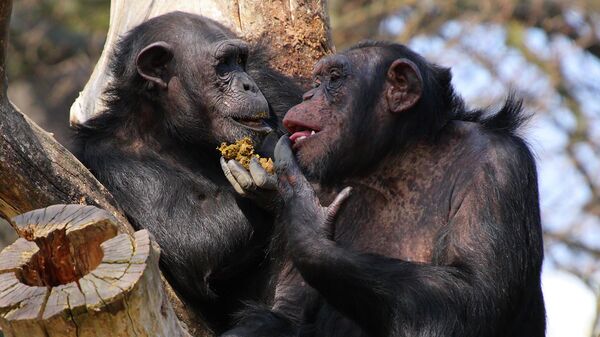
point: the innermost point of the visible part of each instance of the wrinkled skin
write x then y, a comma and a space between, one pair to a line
229, 104
182, 85
256, 183
440, 235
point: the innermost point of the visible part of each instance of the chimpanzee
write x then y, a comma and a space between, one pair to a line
182, 84
440, 233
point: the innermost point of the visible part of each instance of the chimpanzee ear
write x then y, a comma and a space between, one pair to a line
406, 85
151, 63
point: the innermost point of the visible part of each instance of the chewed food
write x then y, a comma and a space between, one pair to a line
242, 151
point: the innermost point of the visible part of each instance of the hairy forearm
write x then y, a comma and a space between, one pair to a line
377, 291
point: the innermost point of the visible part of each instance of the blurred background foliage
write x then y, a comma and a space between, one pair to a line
54, 46
546, 51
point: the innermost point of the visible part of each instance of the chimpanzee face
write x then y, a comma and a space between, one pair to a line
204, 89
238, 107
349, 115
318, 127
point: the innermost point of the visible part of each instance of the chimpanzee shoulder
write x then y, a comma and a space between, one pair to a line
499, 134
508, 120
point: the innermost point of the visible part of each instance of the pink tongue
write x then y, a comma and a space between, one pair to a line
299, 134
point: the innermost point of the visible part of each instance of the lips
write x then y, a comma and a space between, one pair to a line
300, 131
257, 124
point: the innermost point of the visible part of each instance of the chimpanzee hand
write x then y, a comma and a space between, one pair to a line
256, 184
300, 202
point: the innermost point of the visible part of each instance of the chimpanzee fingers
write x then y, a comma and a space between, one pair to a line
241, 175
285, 162
335, 206
261, 177
285, 188
231, 178
287, 166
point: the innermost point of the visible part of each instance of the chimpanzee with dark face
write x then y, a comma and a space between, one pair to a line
439, 231
182, 84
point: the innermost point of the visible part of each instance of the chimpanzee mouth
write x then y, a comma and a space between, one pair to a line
300, 132
254, 124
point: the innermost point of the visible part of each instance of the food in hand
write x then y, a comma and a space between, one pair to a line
242, 151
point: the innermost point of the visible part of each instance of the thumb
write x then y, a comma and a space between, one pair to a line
333, 209
285, 162
287, 167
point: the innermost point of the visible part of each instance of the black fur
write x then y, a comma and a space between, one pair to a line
162, 166
463, 181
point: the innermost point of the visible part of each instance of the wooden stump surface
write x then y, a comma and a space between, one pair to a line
72, 274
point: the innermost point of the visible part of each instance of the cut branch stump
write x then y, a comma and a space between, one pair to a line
71, 273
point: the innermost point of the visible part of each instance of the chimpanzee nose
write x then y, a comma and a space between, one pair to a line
247, 84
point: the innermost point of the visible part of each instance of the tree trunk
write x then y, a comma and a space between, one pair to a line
36, 171
72, 275
296, 30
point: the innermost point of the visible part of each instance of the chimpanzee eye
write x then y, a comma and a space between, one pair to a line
335, 79
316, 83
335, 75
239, 60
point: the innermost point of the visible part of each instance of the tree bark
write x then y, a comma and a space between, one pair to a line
72, 275
297, 32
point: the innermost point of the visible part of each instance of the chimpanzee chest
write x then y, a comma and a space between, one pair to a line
399, 218
219, 201
233, 222
246, 222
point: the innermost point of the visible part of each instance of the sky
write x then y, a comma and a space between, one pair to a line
570, 305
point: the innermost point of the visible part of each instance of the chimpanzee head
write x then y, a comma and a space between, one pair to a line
187, 75
367, 101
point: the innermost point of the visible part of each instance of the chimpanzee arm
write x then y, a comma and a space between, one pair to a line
486, 268
196, 223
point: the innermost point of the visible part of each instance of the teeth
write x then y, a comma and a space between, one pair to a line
312, 132
301, 138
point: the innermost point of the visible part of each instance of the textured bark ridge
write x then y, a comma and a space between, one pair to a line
72, 274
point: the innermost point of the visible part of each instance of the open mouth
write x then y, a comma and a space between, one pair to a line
253, 123
300, 131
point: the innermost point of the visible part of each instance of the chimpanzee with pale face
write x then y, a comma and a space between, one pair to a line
182, 84
435, 230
